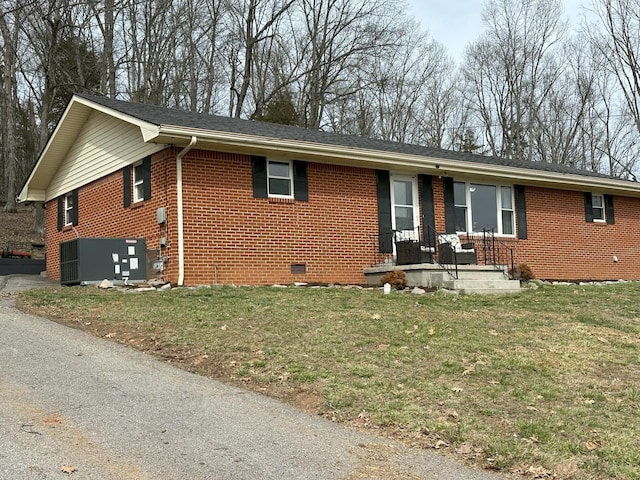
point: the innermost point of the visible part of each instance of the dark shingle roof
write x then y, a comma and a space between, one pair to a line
157, 115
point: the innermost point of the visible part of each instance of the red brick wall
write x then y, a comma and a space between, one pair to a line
562, 245
231, 237
101, 212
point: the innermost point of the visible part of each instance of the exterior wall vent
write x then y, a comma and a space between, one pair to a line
298, 268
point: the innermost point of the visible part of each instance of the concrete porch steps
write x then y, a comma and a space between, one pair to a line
483, 287
471, 279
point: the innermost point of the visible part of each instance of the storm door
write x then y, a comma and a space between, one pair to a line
405, 212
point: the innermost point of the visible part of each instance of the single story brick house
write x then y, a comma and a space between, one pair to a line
223, 200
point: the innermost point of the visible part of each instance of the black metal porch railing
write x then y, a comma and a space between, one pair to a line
497, 253
417, 245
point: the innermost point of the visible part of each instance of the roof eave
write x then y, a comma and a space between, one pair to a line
352, 156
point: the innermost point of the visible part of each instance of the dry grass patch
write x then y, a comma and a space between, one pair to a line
542, 385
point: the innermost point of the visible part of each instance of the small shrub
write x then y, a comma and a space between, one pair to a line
522, 272
396, 278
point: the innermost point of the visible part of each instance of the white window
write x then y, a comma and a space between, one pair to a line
483, 207
280, 179
506, 207
138, 182
460, 206
68, 209
597, 207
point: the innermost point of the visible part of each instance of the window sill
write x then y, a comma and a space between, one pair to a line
281, 200
136, 204
479, 236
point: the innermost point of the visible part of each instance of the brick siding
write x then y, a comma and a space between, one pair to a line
232, 237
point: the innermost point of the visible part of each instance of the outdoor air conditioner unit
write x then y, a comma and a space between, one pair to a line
91, 260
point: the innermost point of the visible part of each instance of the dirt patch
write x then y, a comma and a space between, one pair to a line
18, 227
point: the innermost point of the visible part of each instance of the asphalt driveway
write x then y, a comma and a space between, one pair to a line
69, 401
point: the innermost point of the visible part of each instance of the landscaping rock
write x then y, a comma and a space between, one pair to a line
105, 284
418, 291
140, 290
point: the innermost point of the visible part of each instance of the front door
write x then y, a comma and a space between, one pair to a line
405, 213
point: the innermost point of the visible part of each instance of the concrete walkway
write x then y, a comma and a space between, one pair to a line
72, 401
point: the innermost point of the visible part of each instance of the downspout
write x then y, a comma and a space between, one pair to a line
180, 213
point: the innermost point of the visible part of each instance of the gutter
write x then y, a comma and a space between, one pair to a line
408, 163
182, 153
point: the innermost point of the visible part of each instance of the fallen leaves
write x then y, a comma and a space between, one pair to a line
468, 450
68, 469
540, 472
594, 442
464, 449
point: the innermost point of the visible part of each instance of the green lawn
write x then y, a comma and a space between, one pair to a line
542, 383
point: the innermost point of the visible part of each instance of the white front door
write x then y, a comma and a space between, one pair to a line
405, 212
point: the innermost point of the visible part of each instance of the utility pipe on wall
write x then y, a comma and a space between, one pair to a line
184, 151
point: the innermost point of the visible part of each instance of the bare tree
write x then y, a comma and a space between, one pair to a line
105, 16
197, 73
511, 68
149, 49
339, 35
412, 89
619, 45
571, 99
9, 28
254, 22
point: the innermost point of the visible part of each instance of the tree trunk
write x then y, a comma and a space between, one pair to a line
9, 106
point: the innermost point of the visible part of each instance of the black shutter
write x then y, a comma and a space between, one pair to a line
300, 181
521, 212
383, 188
146, 178
126, 185
428, 211
259, 173
608, 209
588, 207
74, 210
60, 212
449, 205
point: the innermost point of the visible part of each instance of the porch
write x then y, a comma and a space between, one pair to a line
480, 279
466, 263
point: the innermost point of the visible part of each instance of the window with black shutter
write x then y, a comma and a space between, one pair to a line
136, 182
598, 208
279, 178
68, 210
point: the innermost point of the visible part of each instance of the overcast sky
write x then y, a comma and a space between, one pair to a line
458, 22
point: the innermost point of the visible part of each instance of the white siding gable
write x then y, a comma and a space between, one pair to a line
104, 145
